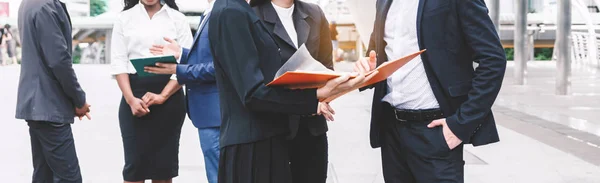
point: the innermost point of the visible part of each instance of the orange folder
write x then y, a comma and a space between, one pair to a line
307, 79
303, 79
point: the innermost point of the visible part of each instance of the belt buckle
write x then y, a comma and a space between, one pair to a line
396, 115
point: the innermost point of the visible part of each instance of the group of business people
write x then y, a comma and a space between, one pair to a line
250, 133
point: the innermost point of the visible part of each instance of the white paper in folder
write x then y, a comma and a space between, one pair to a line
302, 61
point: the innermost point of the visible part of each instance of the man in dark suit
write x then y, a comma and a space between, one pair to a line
255, 117
49, 96
424, 113
196, 70
305, 25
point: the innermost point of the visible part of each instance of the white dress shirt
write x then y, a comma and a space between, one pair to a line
285, 15
408, 87
135, 32
206, 12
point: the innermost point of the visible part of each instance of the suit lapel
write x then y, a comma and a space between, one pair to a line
383, 8
64, 7
419, 18
302, 27
199, 28
203, 24
271, 17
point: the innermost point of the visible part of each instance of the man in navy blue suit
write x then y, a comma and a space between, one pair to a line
197, 72
424, 113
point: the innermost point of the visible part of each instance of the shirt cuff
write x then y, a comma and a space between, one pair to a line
180, 54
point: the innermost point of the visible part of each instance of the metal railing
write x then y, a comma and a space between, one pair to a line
584, 49
584, 45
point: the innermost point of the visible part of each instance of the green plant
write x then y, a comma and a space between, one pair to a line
97, 7
510, 53
543, 53
77, 55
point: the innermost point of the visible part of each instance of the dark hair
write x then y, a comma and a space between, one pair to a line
131, 3
6, 29
258, 2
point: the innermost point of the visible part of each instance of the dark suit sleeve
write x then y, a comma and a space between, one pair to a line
325, 47
238, 56
481, 37
56, 53
195, 73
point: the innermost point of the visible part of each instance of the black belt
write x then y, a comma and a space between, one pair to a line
418, 115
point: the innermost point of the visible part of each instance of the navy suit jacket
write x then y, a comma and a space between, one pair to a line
455, 33
197, 72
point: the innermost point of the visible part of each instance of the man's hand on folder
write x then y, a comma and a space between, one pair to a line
162, 68
172, 48
366, 64
343, 84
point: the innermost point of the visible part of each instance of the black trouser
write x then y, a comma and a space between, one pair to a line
308, 156
414, 153
53, 150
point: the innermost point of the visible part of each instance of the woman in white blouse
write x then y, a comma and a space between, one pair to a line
152, 109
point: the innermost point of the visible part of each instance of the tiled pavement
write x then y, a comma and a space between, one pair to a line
544, 138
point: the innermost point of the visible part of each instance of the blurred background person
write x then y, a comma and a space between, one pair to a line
2, 47
11, 44
295, 23
334, 40
152, 108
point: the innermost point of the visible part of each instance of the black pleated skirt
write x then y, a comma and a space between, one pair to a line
151, 143
265, 161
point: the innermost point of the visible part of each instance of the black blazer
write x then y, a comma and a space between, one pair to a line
455, 33
312, 28
246, 57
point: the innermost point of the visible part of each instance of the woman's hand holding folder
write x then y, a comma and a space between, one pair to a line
343, 84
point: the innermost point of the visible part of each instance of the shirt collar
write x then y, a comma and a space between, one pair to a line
284, 11
209, 8
164, 8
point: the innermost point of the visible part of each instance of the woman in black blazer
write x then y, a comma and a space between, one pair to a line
255, 118
294, 23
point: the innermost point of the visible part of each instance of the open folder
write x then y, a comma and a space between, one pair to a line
140, 63
315, 78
